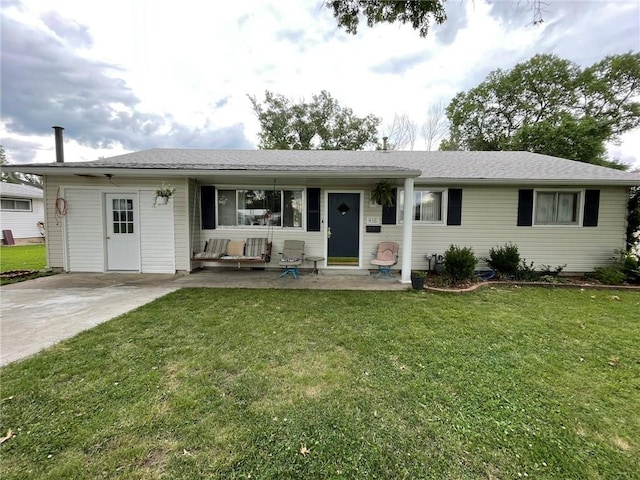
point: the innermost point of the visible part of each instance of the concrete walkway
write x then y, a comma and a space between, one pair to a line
38, 313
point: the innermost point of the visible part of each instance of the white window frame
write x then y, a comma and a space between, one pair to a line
14, 200
236, 188
579, 207
443, 206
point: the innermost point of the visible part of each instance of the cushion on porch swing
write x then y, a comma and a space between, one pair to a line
214, 248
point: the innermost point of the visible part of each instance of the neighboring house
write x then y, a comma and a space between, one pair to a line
21, 212
557, 211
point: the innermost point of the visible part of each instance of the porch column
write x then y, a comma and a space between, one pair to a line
407, 230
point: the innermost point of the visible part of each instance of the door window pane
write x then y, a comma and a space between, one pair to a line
122, 216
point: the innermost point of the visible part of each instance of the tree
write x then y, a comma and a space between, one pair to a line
420, 14
436, 126
401, 133
320, 124
549, 105
13, 177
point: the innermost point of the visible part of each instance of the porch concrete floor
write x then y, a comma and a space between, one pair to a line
38, 313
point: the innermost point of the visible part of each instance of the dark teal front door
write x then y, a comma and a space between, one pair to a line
343, 232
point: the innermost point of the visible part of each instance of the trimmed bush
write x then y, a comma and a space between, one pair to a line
610, 275
504, 260
460, 263
625, 268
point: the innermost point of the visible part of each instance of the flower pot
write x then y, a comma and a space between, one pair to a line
417, 283
162, 200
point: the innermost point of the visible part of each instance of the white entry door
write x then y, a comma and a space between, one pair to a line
123, 236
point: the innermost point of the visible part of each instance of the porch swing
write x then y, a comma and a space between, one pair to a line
252, 251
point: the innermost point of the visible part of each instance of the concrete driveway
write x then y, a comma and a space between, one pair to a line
38, 313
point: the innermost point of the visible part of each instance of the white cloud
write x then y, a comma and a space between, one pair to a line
188, 66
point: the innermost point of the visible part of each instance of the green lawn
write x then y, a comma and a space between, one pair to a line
22, 257
277, 384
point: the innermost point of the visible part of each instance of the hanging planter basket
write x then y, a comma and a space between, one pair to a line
163, 192
382, 193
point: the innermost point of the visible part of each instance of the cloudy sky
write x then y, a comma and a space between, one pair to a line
126, 75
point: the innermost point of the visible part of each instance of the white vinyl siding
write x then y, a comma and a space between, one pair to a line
157, 242
490, 215
24, 223
84, 231
179, 227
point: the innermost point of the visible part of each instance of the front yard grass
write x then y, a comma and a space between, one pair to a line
22, 257
286, 384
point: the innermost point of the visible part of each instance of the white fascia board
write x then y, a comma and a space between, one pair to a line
163, 172
525, 181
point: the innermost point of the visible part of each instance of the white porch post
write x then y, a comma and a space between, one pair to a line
407, 231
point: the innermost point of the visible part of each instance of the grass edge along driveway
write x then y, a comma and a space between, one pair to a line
236, 383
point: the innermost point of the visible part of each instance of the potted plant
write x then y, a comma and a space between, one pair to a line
164, 191
382, 193
417, 279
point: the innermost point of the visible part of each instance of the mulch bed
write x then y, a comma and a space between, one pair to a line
18, 273
436, 283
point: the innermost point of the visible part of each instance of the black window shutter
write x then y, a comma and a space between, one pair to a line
208, 206
454, 207
591, 208
525, 208
313, 209
389, 213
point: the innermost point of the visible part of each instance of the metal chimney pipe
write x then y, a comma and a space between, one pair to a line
384, 143
59, 144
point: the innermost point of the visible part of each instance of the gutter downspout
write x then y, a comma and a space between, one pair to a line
407, 232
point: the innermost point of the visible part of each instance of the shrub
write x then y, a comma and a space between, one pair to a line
459, 263
546, 270
504, 260
624, 268
609, 275
526, 272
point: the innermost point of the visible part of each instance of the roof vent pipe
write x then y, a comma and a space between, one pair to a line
384, 143
59, 145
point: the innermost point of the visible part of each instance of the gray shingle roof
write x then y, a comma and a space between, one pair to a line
19, 191
434, 166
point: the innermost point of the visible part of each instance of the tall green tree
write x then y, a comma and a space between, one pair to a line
420, 14
320, 124
549, 105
